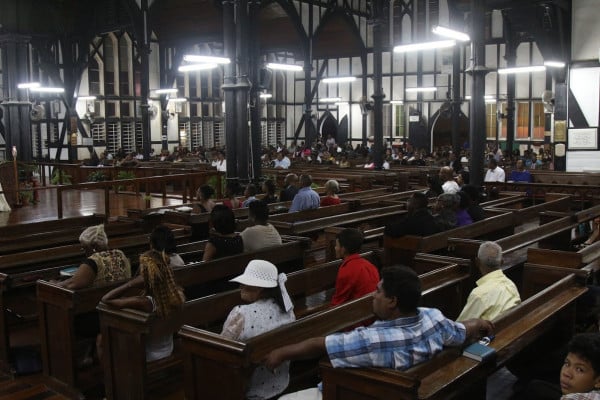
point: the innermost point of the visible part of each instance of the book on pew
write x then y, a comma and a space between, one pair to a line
479, 352
69, 271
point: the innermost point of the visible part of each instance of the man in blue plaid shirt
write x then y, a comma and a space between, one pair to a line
404, 335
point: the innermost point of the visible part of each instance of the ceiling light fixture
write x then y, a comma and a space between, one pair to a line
265, 95
451, 33
196, 67
422, 89
519, 70
28, 85
166, 91
554, 64
339, 79
440, 44
284, 67
330, 100
178, 100
206, 59
48, 89
396, 102
86, 98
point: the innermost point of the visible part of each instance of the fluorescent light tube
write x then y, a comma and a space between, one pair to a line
518, 70
339, 79
206, 59
450, 33
440, 44
284, 67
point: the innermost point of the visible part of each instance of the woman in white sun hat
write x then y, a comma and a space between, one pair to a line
268, 306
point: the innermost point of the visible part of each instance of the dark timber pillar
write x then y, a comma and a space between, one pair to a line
477, 107
17, 123
229, 87
511, 86
242, 88
144, 50
456, 101
255, 110
309, 129
378, 95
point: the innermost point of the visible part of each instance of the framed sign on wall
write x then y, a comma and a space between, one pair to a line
583, 139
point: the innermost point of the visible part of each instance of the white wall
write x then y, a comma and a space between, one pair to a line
585, 35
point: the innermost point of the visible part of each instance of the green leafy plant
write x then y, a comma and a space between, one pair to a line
125, 175
26, 194
97, 176
59, 175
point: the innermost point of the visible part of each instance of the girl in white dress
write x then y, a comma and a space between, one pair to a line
268, 307
4, 207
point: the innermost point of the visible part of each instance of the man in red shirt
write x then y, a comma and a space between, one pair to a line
356, 276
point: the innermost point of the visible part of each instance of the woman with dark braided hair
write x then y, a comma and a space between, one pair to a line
159, 294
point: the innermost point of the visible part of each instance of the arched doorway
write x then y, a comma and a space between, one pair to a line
441, 127
328, 125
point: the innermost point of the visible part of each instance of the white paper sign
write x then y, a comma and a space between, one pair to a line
586, 139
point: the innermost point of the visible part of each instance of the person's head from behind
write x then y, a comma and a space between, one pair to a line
222, 219
332, 186
348, 241
268, 187
464, 201
159, 282
447, 201
93, 239
291, 180
250, 190
162, 239
580, 372
492, 164
205, 192
446, 174
418, 201
489, 257
305, 180
398, 293
231, 189
261, 280
258, 211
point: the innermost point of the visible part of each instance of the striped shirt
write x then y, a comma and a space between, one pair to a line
398, 344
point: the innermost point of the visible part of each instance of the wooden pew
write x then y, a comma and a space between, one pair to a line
450, 375
405, 247
212, 358
212, 310
58, 307
552, 202
50, 226
19, 272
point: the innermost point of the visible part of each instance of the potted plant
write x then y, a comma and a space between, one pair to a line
26, 194
60, 177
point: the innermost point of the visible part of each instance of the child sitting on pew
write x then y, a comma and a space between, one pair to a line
162, 239
159, 294
268, 307
224, 241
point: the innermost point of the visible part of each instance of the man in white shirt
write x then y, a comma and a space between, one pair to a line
494, 173
281, 162
447, 176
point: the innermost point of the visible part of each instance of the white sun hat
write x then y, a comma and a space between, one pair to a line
258, 273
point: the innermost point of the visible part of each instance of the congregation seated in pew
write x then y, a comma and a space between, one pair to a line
268, 188
495, 293
306, 198
261, 234
290, 188
204, 194
445, 207
417, 221
223, 241
163, 240
332, 187
405, 334
473, 208
356, 276
268, 306
102, 265
250, 194
160, 294
462, 214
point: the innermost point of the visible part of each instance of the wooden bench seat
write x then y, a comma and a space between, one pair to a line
58, 306
449, 375
210, 357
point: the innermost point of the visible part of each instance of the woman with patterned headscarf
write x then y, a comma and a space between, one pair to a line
159, 294
101, 265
